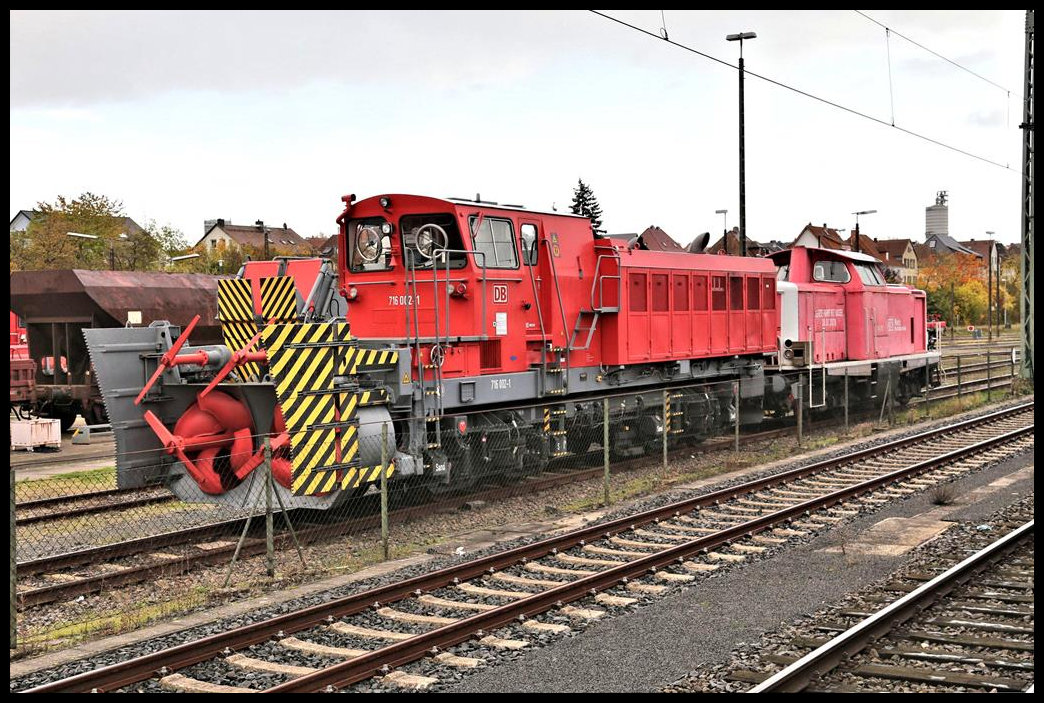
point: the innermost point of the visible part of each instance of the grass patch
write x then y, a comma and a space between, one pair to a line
69, 483
115, 622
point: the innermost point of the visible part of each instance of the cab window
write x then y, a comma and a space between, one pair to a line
432, 240
831, 272
369, 245
869, 274
494, 243
528, 234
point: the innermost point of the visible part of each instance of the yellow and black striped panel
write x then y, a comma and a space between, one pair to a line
235, 300
236, 336
238, 325
364, 360
354, 478
301, 361
278, 299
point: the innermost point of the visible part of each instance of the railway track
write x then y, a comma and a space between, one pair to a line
504, 599
68, 575
64, 576
81, 504
967, 628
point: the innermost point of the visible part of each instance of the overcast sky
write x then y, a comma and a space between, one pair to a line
186, 116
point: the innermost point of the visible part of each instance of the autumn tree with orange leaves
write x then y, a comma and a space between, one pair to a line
955, 287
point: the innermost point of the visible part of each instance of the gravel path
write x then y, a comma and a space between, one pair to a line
652, 647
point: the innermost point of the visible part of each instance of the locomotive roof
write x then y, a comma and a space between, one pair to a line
516, 208
784, 255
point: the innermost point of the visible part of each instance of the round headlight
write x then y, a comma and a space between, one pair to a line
368, 243
385, 202
386, 228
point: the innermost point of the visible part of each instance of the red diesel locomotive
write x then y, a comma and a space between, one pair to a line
485, 337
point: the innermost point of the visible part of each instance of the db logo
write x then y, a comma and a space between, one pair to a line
500, 293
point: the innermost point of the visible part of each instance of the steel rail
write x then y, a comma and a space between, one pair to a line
381, 660
799, 674
125, 673
94, 509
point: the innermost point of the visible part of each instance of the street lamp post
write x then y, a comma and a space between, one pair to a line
112, 246
989, 287
857, 214
742, 165
724, 220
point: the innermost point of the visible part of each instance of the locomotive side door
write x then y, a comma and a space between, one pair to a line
548, 261
534, 300
719, 316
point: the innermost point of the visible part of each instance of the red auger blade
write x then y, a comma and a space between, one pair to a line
232, 363
165, 360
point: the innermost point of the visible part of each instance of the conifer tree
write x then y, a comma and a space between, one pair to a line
585, 203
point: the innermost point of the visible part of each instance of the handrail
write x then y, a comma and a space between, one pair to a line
558, 292
597, 282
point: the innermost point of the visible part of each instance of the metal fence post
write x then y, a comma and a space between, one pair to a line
735, 404
989, 378
800, 412
14, 567
846, 400
605, 449
269, 527
384, 490
927, 389
960, 400
1011, 376
666, 426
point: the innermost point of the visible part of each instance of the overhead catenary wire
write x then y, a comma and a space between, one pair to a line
930, 51
806, 94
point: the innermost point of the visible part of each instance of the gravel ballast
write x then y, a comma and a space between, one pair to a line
681, 615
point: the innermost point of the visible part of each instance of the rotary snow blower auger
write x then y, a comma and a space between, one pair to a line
196, 417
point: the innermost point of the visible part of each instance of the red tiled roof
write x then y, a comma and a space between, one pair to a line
251, 235
979, 246
894, 248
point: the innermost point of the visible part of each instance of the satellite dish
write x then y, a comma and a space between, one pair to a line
700, 243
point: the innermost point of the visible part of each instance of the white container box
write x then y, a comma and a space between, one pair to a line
29, 434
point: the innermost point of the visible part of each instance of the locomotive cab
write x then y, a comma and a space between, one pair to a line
467, 284
837, 306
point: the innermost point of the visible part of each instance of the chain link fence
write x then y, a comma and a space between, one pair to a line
89, 558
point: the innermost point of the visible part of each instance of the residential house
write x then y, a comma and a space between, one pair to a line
328, 248
989, 253
20, 222
828, 238
945, 244
729, 243
280, 239
900, 256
